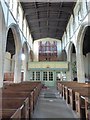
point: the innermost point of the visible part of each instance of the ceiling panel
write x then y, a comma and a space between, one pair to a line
47, 19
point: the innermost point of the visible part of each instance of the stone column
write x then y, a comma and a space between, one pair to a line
69, 73
25, 70
41, 76
13, 63
54, 78
28, 76
34, 75
17, 70
88, 67
2, 46
80, 68
2, 58
25, 64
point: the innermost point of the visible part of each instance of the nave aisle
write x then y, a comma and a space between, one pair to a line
51, 105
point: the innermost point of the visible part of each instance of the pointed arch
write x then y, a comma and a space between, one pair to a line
13, 45
81, 64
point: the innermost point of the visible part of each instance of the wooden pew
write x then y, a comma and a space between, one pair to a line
36, 90
73, 85
80, 101
66, 93
69, 92
87, 107
10, 94
10, 113
17, 114
61, 86
72, 94
71, 98
21, 93
8, 77
26, 87
68, 89
11, 104
17, 95
31, 86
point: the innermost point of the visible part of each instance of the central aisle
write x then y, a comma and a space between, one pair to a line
51, 105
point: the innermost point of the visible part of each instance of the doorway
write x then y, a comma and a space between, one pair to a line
48, 78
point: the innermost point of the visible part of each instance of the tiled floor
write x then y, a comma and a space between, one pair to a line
51, 105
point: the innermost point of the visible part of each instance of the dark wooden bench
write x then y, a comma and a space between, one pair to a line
17, 91
32, 89
72, 85
10, 113
87, 107
69, 92
72, 92
8, 77
16, 104
30, 86
61, 86
14, 94
80, 101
